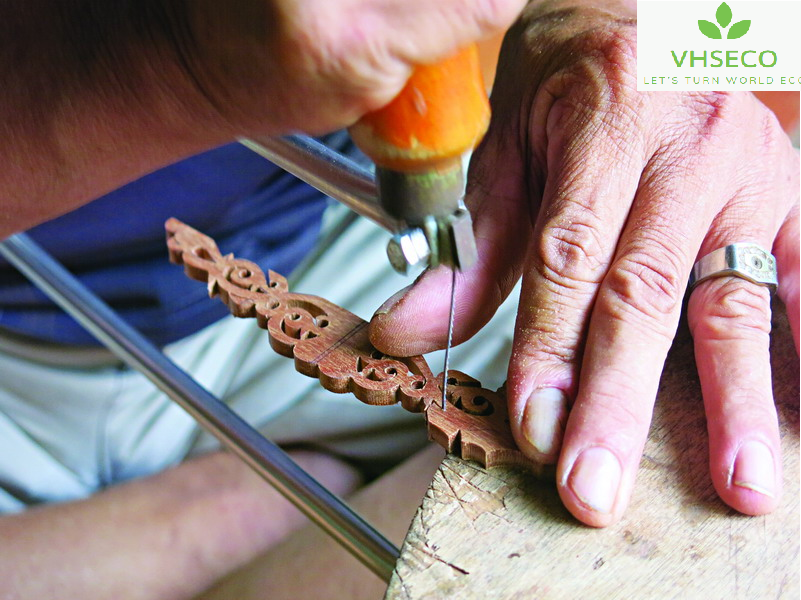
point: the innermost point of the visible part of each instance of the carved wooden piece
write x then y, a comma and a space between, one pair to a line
332, 344
479, 429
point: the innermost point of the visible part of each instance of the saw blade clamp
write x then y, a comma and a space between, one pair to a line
424, 212
430, 204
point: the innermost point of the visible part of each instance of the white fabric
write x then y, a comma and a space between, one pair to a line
68, 432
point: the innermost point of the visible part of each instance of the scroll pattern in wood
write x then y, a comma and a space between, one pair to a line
332, 344
326, 341
479, 429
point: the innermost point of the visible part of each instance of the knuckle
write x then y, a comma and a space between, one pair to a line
591, 32
715, 105
716, 114
587, 57
730, 308
600, 88
619, 45
641, 284
571, 253
612, 55
549, 340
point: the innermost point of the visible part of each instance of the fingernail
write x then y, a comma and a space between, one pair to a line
595, 478
754, 468
393, 300
543, 419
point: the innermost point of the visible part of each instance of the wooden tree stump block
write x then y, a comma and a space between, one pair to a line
502, 534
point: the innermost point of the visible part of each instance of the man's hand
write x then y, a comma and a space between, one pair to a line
318, 65
602, 198
97, 93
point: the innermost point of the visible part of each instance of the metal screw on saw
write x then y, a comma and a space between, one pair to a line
408, 249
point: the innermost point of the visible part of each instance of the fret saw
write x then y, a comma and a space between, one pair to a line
419, 144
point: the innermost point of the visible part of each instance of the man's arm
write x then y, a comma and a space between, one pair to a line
98, 93
165, 537
93, 96
310, 564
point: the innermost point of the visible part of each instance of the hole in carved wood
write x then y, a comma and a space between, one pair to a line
294, 317
273, 284
274, 304
201, 252
322, 322
292, 331
481, 409
376, 355
391, 371
418, 385
244, 273
452, 381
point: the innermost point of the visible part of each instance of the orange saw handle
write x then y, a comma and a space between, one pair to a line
441, 113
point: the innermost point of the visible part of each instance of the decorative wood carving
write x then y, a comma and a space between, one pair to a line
331, 344
479, 429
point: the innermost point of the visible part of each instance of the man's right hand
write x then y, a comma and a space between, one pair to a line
99, 93
318, 65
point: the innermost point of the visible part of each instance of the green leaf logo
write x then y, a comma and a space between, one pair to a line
738, 30
710, 30
723, 16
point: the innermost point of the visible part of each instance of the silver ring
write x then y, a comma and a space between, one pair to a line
746, 260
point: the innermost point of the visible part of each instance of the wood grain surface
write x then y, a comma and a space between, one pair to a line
501, 534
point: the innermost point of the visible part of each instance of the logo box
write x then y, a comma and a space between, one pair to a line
691, 45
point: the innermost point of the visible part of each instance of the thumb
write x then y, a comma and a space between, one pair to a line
415, 320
